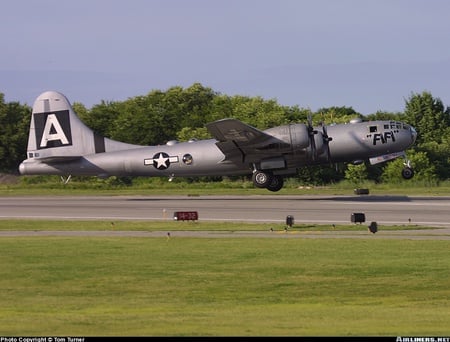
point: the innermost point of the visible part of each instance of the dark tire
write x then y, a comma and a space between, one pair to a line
407, 173
276, 184
261, 179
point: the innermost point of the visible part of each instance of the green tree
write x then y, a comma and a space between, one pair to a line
14, 127
101, 118
381, 115
428, 116
195, 104
335, 115
145, 120
319, 175
188, 133
431, 120
295, 114
356, 174
439, 155
81, 111
258, 112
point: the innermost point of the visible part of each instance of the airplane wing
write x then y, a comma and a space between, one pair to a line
235, 130
238, 140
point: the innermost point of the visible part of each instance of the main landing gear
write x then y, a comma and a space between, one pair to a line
267, 180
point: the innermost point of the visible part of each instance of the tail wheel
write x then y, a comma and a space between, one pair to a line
276, 184
261, 179
407, 173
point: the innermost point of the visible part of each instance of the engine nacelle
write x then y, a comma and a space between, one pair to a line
295, 136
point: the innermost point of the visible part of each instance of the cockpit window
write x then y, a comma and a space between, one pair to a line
372, 129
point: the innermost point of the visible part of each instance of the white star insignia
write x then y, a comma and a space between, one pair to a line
162, 162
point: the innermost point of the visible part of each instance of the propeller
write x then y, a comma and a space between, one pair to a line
326, 140
311, 133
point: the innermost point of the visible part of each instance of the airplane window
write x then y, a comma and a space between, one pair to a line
386, 126
187, 159
372, 129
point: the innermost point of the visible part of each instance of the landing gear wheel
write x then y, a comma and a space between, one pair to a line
407, 173
276, 184
261, 179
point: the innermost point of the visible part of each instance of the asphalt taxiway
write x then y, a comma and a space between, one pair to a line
385, 210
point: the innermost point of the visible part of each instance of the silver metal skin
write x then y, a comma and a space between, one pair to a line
60, 143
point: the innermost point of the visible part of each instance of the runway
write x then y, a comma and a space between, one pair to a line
385, 210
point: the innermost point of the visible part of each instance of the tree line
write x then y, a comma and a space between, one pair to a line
181, 113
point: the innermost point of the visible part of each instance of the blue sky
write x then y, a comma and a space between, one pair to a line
366, 54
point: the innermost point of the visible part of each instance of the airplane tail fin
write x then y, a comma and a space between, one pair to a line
57, 133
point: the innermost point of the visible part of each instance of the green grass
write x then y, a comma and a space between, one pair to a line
170, 225
223, 287
51, 185
126, 286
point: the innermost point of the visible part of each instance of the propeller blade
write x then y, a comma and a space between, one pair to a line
326, 140
311, 133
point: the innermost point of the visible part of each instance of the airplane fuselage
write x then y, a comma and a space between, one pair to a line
203, 158
197, 158
60, 143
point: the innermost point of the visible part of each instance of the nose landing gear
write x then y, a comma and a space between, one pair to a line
407, 172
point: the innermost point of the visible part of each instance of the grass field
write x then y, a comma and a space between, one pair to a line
25, 185
223, 287
125, 286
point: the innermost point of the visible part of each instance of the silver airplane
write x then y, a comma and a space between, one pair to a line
60, 143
